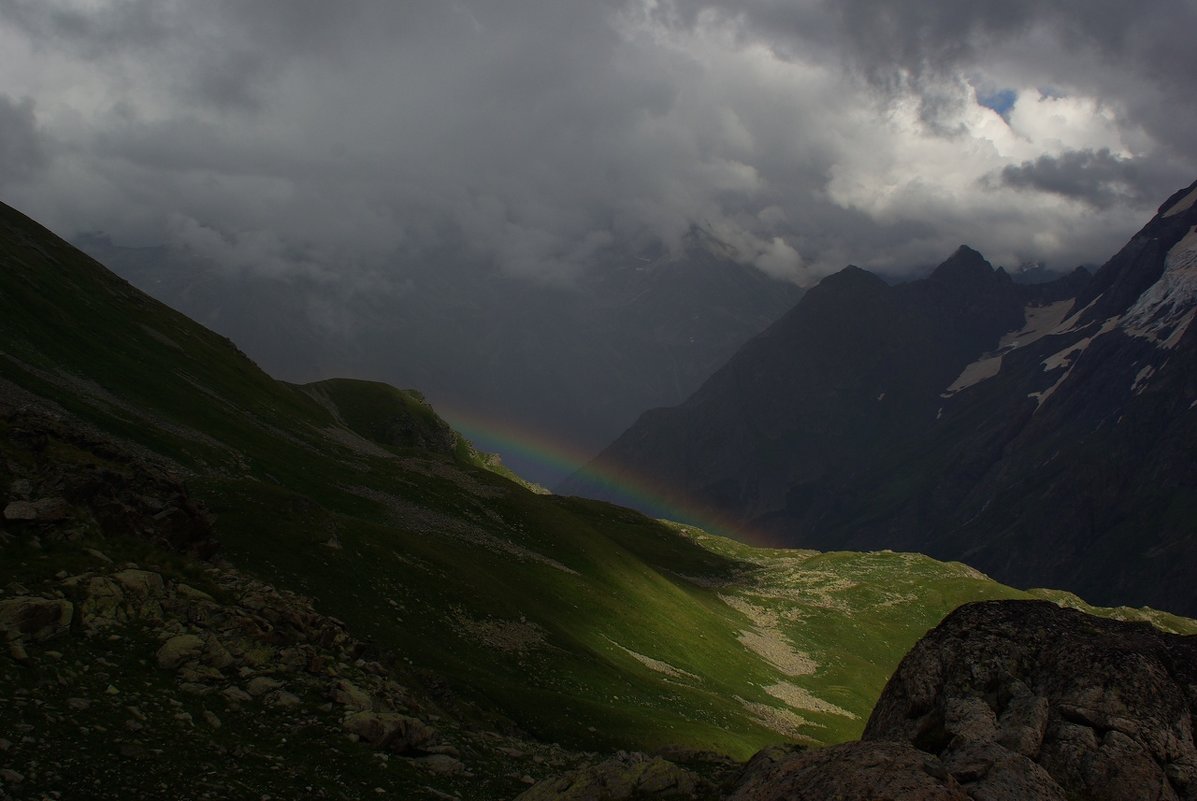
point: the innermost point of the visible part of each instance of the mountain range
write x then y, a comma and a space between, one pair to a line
217, 584
1044, 433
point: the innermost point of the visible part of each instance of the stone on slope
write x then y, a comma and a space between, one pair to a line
103, 604
34, 618
390, 731
140, 583
179, 649
624, 777
261, 685
20, 511
348, 694
51, 510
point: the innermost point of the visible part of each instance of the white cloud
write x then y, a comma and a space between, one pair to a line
780, 259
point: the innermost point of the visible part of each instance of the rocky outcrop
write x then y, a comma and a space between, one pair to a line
46, 510
624, 777
178, 649
872, 771
137, 655
34, 618
258, 644
1027, 700
65, 481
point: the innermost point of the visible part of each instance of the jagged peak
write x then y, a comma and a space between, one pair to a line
965, 264
852, 276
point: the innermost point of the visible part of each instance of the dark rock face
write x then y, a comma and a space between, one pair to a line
1026, 700
865, 771
842, 376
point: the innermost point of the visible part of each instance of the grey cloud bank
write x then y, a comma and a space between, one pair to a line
340, 141
20, 146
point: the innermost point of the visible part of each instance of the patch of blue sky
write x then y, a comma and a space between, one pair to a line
1001, 100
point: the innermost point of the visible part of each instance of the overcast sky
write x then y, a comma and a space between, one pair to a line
283, 135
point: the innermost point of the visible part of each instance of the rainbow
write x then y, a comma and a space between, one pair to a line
513, 439
628, 487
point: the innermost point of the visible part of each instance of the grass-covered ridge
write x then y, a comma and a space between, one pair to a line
571, 621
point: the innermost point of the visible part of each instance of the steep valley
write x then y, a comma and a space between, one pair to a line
218, 585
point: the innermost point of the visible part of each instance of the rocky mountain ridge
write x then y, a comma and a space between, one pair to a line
1040, 433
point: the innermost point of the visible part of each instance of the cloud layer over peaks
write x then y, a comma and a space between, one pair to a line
336, 140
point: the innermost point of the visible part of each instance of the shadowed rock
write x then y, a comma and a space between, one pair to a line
34, 618
875, 771
625, 777
390, 731
1024, 699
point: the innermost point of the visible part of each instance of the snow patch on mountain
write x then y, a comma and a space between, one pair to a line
984, 368
1074, 319
1068, 357
1141, 379
1038, 322
1064, 358
1165, 310
1184, 204
1041, 397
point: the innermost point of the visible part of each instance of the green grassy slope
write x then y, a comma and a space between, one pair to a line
575, 621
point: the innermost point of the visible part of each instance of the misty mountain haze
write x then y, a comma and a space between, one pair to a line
538, 372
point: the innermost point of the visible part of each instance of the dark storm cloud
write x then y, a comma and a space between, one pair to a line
544, 135
926, 37
220, 53
95, 31
1098, 178
21, 149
